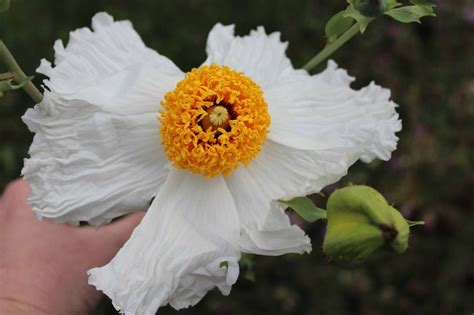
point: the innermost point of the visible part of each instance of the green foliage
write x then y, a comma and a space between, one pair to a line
337, 25
364, 11
363, 20
412, 13
4, 5
306, 209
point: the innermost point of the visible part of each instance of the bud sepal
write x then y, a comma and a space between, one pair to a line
360, 222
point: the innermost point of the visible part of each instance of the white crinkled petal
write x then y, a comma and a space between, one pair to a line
97, 154
110, 66
177, 253
322, 112
91, 165
259, 55
280, 173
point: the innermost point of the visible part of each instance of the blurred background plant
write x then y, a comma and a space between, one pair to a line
430, 70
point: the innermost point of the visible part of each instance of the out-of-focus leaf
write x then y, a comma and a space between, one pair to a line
4, 5
411, 13
247, 264
337, 25
7, 160
306, 209
392, 4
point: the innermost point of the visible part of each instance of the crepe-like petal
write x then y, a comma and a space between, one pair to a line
259, 55
110, 67
322, 112
186, 245
97, 154
280, 173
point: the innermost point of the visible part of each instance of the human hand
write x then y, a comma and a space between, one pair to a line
43, 265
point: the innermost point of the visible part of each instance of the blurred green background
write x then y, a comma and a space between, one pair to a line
430, 70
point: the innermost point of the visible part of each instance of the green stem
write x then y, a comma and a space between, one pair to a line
332, 47
20, 76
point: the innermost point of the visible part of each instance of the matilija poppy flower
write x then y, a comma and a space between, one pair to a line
214, 148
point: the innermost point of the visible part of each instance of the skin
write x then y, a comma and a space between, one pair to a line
43, 265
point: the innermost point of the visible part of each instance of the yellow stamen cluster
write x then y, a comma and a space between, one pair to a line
215, 119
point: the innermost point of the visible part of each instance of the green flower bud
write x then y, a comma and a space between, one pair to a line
371, 8
360, 221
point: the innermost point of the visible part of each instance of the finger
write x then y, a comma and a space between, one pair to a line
111, 237
15, 198
17, 191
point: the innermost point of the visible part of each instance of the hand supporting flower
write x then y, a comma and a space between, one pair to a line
43, 265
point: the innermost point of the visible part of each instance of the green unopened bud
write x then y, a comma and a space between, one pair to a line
371, 8
360, 221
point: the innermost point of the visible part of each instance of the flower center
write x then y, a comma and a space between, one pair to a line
215, 119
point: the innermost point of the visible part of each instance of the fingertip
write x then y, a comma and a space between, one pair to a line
17, 193
19, 187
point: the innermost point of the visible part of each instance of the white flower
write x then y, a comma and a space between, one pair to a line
100, 152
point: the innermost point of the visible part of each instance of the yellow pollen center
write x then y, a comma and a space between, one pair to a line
214, 120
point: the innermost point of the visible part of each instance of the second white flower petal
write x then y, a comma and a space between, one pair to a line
110, 67
258, 55
322, 112
279, 172
97, 154
90, 165
186, 245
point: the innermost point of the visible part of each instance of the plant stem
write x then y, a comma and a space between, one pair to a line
332, 47
20, 76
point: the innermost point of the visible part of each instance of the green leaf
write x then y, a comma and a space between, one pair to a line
306, 209
413, 223
4, 5
411, 13
392, 4
337, 25
356, 15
